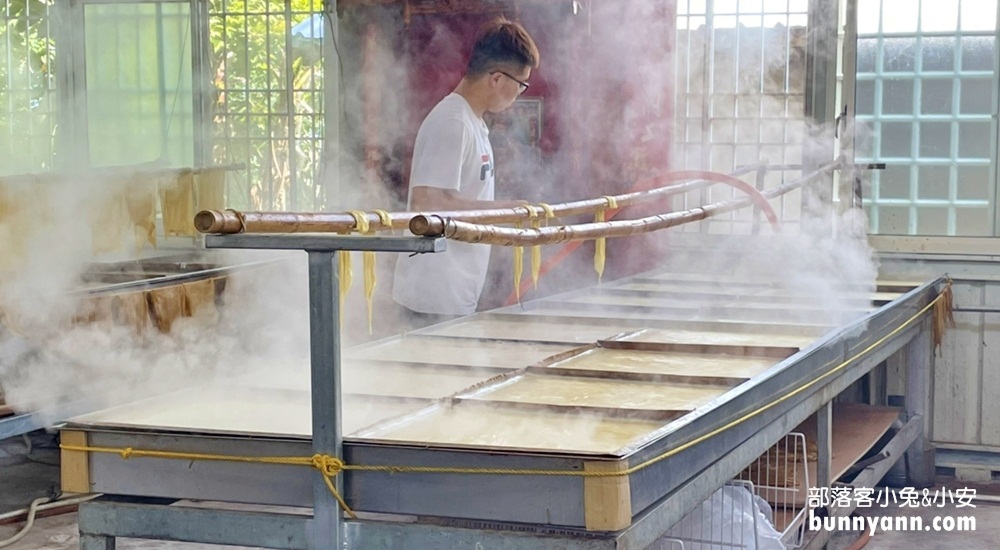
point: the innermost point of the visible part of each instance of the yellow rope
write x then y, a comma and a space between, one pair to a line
536, 251
330, 466
599, 244
327, 465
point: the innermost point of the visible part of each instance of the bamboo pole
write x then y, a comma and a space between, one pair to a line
437, 225
231, 221
434, 225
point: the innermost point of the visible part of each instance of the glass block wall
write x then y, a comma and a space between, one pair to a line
926, 82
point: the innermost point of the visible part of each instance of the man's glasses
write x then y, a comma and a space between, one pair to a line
523, 85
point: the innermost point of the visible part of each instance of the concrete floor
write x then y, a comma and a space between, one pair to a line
986, 535
25, 476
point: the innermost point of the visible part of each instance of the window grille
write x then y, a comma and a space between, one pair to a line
268, 100
256, 100
138, 83
740, 96
28, 101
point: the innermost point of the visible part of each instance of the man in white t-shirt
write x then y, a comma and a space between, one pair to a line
452, 169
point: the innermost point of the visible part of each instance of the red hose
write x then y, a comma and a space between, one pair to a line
719, 177
645, 185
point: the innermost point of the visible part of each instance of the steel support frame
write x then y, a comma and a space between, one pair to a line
910, 443
675, 506
326, 530
324, 353
101, 522
104, 520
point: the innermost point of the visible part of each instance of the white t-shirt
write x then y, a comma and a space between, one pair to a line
452, 151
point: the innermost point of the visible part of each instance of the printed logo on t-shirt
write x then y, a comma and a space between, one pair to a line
487, 167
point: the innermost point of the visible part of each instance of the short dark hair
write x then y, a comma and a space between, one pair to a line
501, 43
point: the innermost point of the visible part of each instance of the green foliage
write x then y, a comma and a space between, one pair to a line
267, 103
257, 119
26, 87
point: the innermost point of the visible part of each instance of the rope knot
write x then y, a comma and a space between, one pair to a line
328, 465
126, 453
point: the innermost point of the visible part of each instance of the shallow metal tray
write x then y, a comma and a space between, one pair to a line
564, 501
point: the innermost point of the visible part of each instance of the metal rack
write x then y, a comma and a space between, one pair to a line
132, 279
781, 478
661, 495
727, 520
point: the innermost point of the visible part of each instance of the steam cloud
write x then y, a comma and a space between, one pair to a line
614, 96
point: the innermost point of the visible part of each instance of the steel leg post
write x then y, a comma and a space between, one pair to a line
919, 364
96, 542
824, 444
88, 526
824, 454
324, 331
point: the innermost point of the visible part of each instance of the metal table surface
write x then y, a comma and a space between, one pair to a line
706, 447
